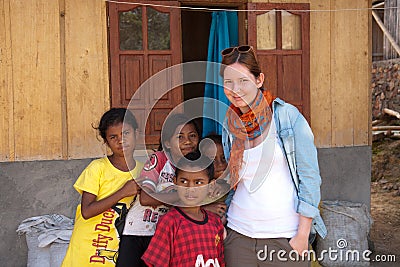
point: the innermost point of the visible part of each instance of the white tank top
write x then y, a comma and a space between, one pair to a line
263, 205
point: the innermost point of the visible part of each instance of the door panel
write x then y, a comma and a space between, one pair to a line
156, 64
157, 117
269, 66
144, 40
291, 79
131, 80
280, 35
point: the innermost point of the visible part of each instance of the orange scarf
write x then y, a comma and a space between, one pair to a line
248, 126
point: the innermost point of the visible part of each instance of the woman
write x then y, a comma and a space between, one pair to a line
277, 189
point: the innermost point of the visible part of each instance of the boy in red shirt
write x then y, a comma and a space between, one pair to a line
188, 235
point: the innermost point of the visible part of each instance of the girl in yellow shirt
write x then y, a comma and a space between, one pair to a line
107, 186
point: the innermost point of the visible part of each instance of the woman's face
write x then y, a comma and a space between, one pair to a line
240, 86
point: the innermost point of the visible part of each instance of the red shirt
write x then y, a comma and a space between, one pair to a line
181, 241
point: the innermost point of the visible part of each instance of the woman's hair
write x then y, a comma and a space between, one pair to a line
171, 123
247, 59
115, 116
194, 161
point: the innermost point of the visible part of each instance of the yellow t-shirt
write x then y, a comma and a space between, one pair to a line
94, 242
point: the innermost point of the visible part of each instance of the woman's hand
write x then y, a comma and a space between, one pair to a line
299, 244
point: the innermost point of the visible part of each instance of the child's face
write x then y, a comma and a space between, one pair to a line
121, 138
192, 187
220, 163
184, 141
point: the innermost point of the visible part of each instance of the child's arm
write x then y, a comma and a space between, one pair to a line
90, 207
149, 198
146, 200
149, 182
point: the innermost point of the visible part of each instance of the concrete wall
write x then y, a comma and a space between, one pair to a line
32, 189
346, 173
43, 187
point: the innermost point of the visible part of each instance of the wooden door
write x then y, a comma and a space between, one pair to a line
143, 41
280, 35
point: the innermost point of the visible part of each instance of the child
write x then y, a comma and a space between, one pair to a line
211, 146
189, 235
214, 150
179, 136
106, 186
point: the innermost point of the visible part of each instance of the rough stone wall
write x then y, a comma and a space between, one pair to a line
385, 86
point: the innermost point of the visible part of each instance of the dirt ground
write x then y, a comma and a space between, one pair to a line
385, 199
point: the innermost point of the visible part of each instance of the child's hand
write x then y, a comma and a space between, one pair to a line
224, 220
130, 188
218, 208
218, 189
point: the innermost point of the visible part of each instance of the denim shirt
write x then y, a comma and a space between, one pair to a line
297, 141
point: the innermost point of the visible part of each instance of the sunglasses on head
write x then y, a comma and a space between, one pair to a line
240, 49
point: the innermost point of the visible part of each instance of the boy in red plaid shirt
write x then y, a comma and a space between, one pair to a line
188, 235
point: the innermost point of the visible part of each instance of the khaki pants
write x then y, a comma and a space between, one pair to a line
243, 251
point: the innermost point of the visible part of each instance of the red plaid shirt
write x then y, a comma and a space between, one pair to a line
181, 241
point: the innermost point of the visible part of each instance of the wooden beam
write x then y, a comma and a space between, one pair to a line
378, 5
386, 32
385, 128
391, 112
376, 122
